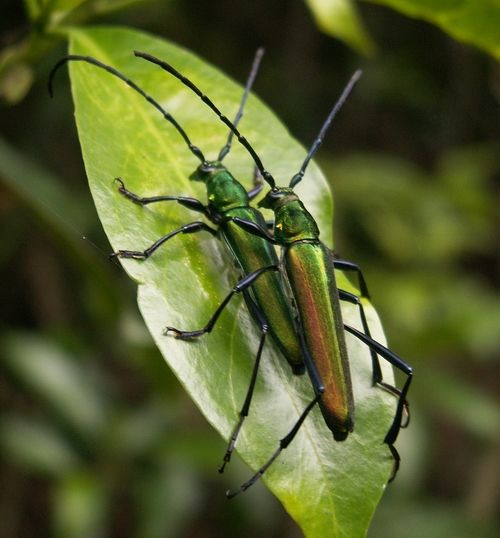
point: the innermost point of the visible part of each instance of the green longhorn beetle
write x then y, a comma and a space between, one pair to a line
309, 270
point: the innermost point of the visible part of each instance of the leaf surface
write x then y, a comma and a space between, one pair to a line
329, 488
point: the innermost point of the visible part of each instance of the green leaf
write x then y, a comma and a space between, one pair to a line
472, 21
340, 19
329, 488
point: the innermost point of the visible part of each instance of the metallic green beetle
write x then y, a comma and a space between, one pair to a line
309, 269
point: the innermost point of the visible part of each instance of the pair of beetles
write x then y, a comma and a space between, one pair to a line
294, 299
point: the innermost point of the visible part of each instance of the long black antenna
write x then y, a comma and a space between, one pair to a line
248, 86
242, 140
88, 59
317, 143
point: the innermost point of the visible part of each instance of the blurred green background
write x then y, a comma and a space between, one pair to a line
96, 436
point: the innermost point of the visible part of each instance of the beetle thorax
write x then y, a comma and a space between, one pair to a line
224, 192
294, 223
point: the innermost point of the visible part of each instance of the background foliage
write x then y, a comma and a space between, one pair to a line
96, 436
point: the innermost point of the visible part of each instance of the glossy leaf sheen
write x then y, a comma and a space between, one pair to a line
329, 488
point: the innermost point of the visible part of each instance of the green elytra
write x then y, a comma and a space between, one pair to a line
309, 269
309, 264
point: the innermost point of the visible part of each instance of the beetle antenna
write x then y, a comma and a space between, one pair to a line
317, 143
241, 139
88, 59
251, 79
